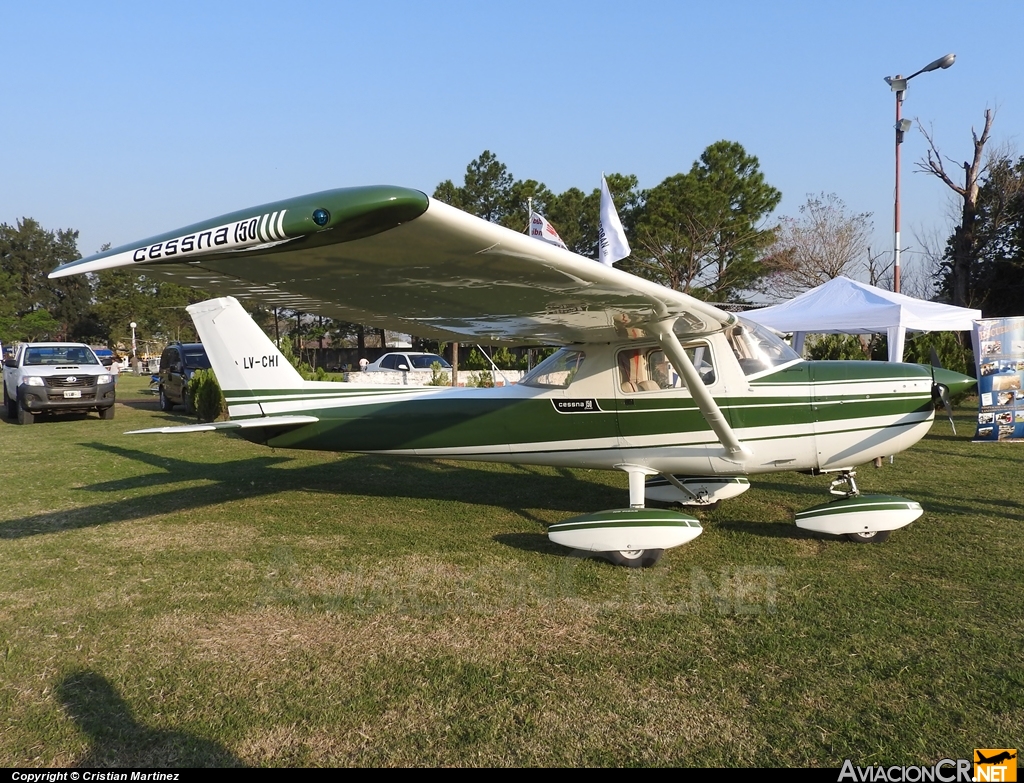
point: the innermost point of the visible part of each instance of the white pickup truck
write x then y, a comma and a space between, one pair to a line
56, 377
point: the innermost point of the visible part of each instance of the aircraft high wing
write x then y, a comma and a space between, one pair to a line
686, 399
394, 258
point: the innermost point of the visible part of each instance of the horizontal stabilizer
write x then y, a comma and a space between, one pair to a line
264, 422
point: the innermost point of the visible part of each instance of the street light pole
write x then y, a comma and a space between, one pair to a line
899, 86
135, 353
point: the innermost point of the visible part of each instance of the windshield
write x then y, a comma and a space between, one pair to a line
758, 348
557, 371
426, 360
52, 355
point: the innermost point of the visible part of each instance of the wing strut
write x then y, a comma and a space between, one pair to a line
705, 402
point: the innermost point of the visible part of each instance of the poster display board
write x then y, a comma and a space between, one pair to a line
999, 358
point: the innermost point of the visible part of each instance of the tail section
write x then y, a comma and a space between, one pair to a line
243, 358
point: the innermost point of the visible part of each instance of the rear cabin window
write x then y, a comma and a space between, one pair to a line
197, 358
649, 369
557, 371
425, 361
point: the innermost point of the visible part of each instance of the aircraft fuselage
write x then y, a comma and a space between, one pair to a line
798, 416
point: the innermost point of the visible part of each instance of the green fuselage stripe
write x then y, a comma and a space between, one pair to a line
448, 422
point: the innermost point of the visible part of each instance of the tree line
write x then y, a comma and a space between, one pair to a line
701, 232
96, 309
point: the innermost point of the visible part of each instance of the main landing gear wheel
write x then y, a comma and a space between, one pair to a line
869, 536
635, 558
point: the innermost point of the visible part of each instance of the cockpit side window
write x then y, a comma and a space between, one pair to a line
557, 371
758, 349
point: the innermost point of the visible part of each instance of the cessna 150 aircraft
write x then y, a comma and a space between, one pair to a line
685, 398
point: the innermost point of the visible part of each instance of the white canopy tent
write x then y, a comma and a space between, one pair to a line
844, 306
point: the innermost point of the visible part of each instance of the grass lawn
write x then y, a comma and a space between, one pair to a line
200, 600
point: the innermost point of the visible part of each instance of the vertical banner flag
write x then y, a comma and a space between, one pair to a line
999, 357
613, 245
541, 229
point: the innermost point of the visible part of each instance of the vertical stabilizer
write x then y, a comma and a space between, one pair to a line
243, 358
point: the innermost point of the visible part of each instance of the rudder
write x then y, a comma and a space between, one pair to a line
243, 358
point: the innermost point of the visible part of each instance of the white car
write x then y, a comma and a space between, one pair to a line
55, 377
407, 360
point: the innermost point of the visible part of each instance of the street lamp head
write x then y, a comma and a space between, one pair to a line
132, 324
942, 62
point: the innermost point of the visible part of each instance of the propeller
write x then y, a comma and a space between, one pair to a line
940, 394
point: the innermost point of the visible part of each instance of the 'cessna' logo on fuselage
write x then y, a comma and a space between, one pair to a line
268, 227
576, 406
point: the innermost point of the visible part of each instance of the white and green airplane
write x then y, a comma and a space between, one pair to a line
685, 398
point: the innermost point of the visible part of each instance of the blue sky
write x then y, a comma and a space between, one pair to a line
124, 120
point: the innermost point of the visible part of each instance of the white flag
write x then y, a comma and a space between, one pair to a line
613, 245
541, 229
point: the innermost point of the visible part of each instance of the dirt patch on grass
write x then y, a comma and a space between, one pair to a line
807, 547
561, 721
154, 536
259, 640
431, 663
414, 608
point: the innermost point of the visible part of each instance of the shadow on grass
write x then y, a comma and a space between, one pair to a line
531, 542
145, 404
934, 504
372, 476
793, 489
116, 739
787, 530
50, 418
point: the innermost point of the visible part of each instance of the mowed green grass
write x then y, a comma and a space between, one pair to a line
199, 600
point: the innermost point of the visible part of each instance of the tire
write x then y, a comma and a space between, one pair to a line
869, 537
651, 557
107, 413
186, 402
25, 417
165, 404
637, 558
11, 405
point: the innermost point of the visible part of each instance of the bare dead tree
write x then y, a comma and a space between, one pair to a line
880, 266
964, 234
825, 242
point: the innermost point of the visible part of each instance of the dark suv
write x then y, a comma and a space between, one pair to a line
178, 363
